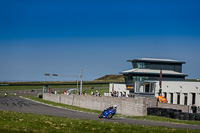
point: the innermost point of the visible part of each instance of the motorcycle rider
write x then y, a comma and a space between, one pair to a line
110, 113
111, 107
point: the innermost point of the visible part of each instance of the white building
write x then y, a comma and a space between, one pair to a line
176, 92
149, 75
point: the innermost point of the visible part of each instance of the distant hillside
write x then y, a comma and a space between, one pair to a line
114, 78
120, 78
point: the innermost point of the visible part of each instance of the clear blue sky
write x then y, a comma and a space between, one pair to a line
60, 36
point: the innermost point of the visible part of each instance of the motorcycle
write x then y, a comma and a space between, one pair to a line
109, 113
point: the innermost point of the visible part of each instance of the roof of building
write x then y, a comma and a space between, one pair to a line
151, 71
156, 60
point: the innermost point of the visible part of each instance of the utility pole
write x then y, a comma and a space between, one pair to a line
81, 89
160, 83
77, 84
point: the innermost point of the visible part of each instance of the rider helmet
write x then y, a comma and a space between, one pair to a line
115, 106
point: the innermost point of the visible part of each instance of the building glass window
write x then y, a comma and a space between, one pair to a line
178, 98
165, 94
145, 87
138, 65
132, 79
171, 98
139, 78
142, 86
185, 99
129, 80
193, 98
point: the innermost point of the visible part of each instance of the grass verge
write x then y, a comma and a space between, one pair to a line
164, 119
12, 122
87, 88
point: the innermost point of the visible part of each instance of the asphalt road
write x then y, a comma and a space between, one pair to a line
17, 104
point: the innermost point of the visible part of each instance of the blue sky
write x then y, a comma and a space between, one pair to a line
60, 36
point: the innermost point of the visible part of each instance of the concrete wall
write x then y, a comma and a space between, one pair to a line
184, 108
126, 106
151, 102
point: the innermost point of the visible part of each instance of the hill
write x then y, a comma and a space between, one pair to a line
114, 78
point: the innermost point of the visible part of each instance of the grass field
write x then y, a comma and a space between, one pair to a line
13, 88
12, 122
100, 87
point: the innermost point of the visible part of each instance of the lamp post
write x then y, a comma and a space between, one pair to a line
81, 84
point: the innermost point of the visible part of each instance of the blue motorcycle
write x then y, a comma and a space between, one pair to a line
109, 113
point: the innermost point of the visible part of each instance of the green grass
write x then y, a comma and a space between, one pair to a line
12, 122
10, 94
151, 118
163, 119
54, 87
111, 78
13, 88
53, 82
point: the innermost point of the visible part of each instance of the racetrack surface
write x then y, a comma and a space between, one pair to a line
17, 104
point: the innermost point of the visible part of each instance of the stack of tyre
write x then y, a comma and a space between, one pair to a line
172, 113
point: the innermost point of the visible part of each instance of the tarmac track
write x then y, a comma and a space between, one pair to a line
17, 104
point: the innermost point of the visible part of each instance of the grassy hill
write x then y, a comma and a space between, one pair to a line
114, 78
